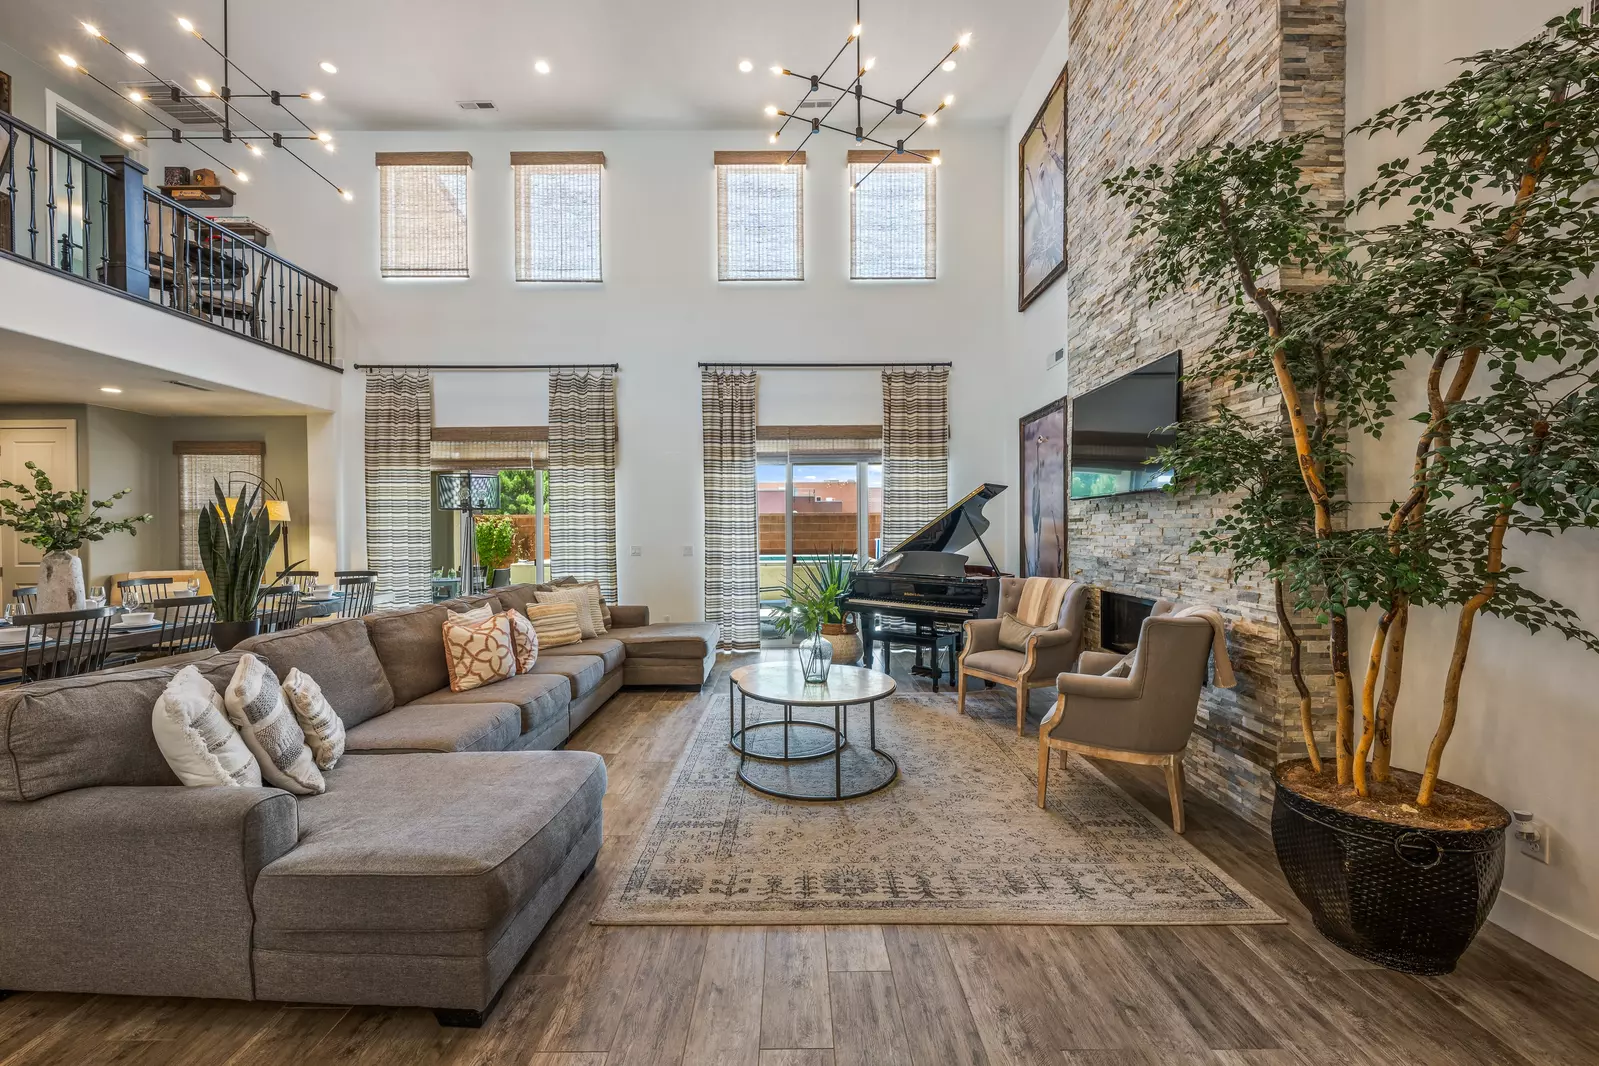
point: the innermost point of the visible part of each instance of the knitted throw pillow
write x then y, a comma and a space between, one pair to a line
194, 734
556, 623
324, 729
256, 707
478, 653
524, 639
587, 598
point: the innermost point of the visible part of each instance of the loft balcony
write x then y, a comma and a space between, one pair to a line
95, 221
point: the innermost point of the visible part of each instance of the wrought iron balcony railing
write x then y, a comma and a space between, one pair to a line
95, 221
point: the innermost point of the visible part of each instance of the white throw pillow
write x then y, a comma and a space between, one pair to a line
256, 706
587, 600
324, 729
194, 734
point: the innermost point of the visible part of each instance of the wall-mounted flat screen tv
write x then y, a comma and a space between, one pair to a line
1117, 427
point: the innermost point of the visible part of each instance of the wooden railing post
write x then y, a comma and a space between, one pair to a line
128, 258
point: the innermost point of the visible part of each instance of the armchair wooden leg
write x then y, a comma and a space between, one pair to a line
1174, 787
1021, 704
960, 692
1043, 768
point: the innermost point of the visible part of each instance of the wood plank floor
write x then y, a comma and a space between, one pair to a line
884, 996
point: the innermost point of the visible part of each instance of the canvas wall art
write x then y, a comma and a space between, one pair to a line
1041, 198
1043, 491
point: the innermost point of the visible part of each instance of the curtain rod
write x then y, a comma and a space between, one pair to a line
818, 366
488, 366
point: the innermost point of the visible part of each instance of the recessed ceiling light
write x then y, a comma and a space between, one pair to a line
745, 66
541, 66
329, 67
109, 388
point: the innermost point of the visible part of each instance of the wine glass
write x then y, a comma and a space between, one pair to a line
96, 595
132, 597
193, 585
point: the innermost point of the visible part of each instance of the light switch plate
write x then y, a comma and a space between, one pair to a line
688, 551
635, 551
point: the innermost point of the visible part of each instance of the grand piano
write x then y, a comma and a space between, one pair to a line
923, 590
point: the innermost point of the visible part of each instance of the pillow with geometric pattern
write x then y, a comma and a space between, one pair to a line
525, 639
479, 653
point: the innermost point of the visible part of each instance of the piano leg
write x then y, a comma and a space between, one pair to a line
868, 620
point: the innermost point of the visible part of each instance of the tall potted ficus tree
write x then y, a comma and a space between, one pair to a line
1476, 288
58, 523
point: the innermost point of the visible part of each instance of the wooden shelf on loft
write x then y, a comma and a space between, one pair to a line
203, 195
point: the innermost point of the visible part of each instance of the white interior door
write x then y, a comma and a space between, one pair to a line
53, 446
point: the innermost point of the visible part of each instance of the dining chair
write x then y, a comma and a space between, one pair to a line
277, 608
302, 580
356, 592
185, 625
66, 643
26, 597
136, 592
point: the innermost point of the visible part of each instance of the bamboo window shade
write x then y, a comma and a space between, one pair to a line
760, 216
488, 449
201, 465
558, 215
893, 217
422, 204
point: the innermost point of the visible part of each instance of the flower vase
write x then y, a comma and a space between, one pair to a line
60, 583
816, 657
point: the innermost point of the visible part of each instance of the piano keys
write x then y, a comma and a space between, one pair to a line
923, 590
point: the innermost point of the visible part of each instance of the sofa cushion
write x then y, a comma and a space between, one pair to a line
612, 652
410, 645
1000, 661
584, 672
430, 843
542, 698
669, 640
462, 604
79, 732
217, 668
481, 726
341, 658
517, 596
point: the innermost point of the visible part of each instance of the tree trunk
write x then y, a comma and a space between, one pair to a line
1296, 669
1368, 702
1393, 671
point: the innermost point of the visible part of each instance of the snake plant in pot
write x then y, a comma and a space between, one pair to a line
236, 544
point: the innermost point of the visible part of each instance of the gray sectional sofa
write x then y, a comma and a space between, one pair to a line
447, 837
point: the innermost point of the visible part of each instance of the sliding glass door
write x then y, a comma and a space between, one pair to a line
810, 509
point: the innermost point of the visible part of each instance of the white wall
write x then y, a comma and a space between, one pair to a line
1526, 734
659, 312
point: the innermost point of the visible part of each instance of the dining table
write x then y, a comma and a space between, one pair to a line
141, 638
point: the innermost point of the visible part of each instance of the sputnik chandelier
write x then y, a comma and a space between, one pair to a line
212, 105
815, 83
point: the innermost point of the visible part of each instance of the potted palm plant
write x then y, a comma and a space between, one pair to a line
814, 609
59, 523
236, 545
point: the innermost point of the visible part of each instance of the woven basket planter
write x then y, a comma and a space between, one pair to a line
1405, 898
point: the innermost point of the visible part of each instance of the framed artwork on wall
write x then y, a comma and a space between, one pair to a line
5, 92
1041, 198
1043, 491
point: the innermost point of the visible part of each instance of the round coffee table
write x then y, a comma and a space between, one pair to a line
783, 757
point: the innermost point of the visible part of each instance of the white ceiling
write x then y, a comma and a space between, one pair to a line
615, 64
40, 371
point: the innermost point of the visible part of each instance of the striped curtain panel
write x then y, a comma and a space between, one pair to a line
732, 564
399, 483
915, 449
583, 476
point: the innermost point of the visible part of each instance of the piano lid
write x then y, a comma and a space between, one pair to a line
947, 533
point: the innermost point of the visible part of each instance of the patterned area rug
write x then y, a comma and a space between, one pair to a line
958, 838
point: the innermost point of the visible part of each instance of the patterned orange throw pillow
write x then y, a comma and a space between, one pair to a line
525, 638
479, 653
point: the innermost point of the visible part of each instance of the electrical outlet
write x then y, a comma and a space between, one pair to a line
635, 551
1537, 848
666, 618
1532, 835
688, 551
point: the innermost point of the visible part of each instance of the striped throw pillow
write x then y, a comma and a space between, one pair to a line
555, 623
587, 598
257, 709
324, 729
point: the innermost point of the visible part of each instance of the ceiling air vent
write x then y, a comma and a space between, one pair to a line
823, 105
185, 111
475, 105
188, 385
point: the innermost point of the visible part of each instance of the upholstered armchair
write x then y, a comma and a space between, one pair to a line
1048, 653
1145, 717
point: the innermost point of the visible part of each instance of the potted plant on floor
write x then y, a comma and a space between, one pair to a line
1398, 867
813, 609
58, 524
495, 535
236, 545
